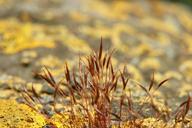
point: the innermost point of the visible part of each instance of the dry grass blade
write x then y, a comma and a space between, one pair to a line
142, 87
114, 85
97, 66
107, 97
162, 82
50, 75
47, 76
97, 94
29, 95
29, 103
29, 100
130, 103
112, 72
121, 105
98, 111
183, 109
55, 95
67, 73
116, 116
104, 59
152, 82
101, 49
109, 58
125, 81
90, 118
187, 107
36, 94
26, 99
77, 84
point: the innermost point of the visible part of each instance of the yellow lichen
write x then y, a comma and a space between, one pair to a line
133, 71
186, 69
96, 32
173, 74
150, 63
67, 121
14, 115
19, 36
186, 88
76, 44
78, 17
50, 61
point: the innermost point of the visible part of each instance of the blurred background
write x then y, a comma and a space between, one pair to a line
187, 2
148, 35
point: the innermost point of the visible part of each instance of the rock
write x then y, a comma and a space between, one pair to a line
28, 57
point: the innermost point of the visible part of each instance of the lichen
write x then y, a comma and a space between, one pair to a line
15, 115
67, 121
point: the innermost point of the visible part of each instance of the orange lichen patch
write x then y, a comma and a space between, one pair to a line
14, 115
67, 121
18, 36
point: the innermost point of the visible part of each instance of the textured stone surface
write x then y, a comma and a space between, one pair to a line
147, 36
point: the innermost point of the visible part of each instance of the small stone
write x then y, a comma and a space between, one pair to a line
25, 62
28, 57
48, 90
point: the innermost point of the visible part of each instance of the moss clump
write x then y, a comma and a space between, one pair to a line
14, 115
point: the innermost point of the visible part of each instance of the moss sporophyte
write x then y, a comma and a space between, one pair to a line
96, 94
